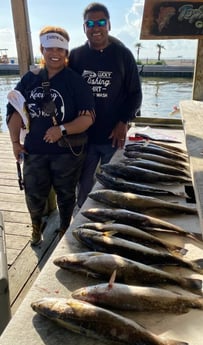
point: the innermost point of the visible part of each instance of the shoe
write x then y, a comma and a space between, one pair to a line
36, 235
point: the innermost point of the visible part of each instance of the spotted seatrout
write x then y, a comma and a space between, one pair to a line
118, 183
133, 234
158, 150
139, 203
147, 174
156, 158
107, 243
142, 221
138, 298
98, 323
101, 265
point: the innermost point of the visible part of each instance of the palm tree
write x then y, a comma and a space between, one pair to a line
138, 46
160, 47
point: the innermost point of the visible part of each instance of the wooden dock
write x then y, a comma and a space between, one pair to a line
24, 262
55, 282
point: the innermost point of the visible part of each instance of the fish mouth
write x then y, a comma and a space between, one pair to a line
74, 260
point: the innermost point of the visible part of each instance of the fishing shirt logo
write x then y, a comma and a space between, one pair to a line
35, 103
99, 82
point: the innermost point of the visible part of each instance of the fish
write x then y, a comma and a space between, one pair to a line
157, 144
156, 158
133, 234
160, 167
139, 203
155, 149
105, 242
169, 147
96, 322
138, 298
100, 265
143, 221
135, 173
120, 184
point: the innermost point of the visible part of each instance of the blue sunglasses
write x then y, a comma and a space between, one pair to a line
91, 23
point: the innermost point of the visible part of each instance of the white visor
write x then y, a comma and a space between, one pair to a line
53, 40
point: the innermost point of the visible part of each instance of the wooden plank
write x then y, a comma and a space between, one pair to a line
21, 295
22, 34
16, 198
198, 73
30, 258
22, 229
191, 112
16, 217
24, 262
20, 207
9, 189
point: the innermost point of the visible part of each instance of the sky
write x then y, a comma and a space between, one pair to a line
126, 22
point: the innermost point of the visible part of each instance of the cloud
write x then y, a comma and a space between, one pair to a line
130, 34
8, 41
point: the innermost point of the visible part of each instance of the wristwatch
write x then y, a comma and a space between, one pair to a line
63, 130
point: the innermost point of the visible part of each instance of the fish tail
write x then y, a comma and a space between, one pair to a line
194, 285
195, 237
197, 265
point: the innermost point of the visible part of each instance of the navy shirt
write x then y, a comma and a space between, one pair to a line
70, 94
113, 76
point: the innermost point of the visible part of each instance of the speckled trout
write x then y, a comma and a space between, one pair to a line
143, 221
101, 265
157, 166
156, 158
158, 150
138, 298
105, 242
147, 174
134, 234
117, 183
98, 323
140, 203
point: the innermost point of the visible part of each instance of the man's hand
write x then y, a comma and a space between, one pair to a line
118, 134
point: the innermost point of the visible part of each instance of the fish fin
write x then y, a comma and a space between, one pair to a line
182, 195
109, 222
109, 233
178, 252
198, 265
194, 285
112, 279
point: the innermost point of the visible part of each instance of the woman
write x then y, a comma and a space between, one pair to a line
59, 104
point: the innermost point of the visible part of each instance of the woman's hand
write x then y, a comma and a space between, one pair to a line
18, 149
52, 135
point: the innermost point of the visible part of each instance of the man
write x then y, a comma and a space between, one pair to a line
110, 69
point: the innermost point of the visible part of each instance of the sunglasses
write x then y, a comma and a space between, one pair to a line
91, 23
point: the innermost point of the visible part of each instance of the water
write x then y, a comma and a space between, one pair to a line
7, 83
160, 95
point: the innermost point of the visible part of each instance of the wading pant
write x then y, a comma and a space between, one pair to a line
96, 154
61, 171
